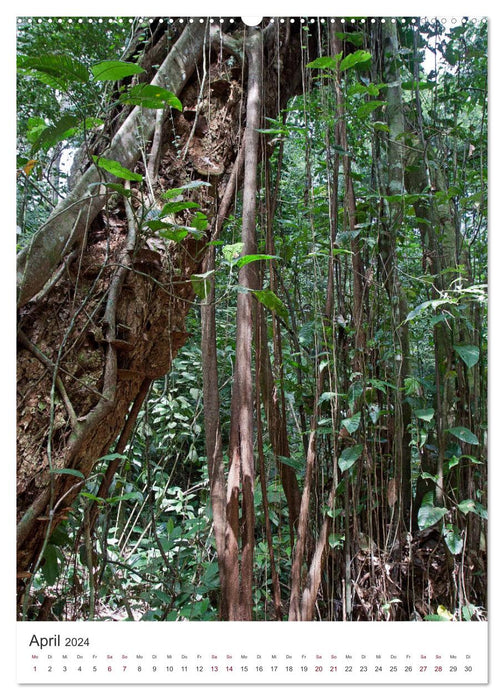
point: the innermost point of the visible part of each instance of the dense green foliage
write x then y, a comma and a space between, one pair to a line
152, 553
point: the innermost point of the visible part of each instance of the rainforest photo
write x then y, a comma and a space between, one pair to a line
252, 319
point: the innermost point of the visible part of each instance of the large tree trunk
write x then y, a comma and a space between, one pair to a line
102, 305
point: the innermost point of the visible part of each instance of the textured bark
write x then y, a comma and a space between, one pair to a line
295, 608
112, 320
213, 431
242, 469
88, 345
70, 220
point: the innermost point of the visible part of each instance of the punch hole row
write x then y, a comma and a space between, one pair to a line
282, 20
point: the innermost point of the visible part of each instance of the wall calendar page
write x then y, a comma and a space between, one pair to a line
252, 340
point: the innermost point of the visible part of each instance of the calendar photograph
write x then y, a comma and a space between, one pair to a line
252, 326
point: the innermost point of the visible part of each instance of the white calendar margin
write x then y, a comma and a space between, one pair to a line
259, 652
271, 8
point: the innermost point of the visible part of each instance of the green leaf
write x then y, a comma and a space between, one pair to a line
469, 354
380, 126
201, 283
174, 207
355, 38
112, 457
481, 511
115, 70
323, 62
368, 107
246, 259
55, 69
36, 125
464, 434
455, 460
70, 472
414, 84
430, 304
349, 456
156, 225
65, 128
270, 300
115, 187
177, 191
426, 414
272, 131
334, 512
468, 611
336, 540
232, 251
327, 396
354, 58
467, 506
428, 513
412, 386
200, 221
115, 168
133, 496
174, 233
352, 423
151, 97
382, 385
92, 497
452, 539
50, 568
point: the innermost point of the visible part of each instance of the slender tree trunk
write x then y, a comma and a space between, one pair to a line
239, 571
213, 431
394, 188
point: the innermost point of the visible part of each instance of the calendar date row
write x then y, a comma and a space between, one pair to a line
254, 669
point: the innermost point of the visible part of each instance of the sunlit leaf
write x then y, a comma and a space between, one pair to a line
232, 251
115, 168
28, 167
368, 107
452, 538
428, 513
354, 58
426, 414
352, 423
323, 62
59, 68
151, 97
200, 221
444, 613
174, 207
464, 434
115, 70
349, 456
246, 259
